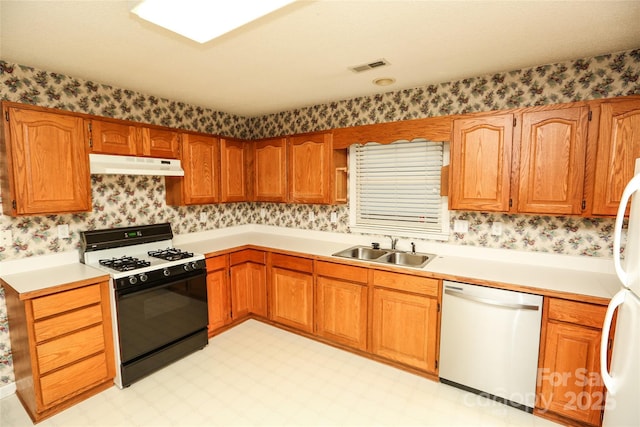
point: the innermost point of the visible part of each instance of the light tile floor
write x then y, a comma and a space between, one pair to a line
256, 374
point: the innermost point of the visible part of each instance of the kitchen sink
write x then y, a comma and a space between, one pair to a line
407, 259
361, 252
386, 256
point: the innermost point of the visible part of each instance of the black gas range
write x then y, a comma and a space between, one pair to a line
159, 296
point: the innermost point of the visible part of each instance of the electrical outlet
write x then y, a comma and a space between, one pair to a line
263, 212
334, 217
203, 217
312, 216
496, 229
460, 226
6, 238
63, 231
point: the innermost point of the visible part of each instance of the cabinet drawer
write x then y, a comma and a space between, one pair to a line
216, 263
74, 379
68, 322
65, 301
68, 349
577, 312
249, 255
340, 271
406, 282
292, 263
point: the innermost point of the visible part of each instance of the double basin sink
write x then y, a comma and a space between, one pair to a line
386, 256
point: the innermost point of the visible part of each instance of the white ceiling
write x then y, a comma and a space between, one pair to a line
299, 55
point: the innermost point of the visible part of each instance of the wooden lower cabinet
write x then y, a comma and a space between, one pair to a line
291, 291
248, 284
218, 297
405, 325
570, 389
62, 346
341, 304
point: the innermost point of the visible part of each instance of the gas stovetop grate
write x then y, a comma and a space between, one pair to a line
125, 263
170, 254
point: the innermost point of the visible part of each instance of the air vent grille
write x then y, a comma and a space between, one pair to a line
370, 66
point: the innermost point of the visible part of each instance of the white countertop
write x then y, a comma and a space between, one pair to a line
592, 277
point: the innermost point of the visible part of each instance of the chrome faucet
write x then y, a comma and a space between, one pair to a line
393, 242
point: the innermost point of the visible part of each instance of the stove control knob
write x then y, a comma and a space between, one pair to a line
143, 277
166, 272
186, 266
194, 265
133, 280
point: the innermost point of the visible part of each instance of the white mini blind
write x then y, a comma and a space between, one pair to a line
398, 186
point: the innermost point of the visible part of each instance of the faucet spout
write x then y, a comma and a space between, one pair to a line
393, 242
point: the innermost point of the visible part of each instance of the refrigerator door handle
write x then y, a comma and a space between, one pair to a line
610, 383
632, 187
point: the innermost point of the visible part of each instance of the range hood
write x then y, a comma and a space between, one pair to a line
127, 165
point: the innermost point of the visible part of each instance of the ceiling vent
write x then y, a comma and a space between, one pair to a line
370, 66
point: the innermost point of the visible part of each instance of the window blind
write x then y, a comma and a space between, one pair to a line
398, 186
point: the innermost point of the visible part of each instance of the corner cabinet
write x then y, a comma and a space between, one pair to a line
233, 170
248, 284
552, 161
199, 155
62, 346
45, 162
270, 170
618, 148
570, 389
480, 170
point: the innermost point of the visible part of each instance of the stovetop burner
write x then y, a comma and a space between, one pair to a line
125, 263
170, 254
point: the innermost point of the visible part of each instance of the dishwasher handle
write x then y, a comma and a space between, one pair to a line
488, 301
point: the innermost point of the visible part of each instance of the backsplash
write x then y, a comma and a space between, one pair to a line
129, 200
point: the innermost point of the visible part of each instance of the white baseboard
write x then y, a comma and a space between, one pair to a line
7, 390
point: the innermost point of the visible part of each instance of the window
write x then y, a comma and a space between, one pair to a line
395, 189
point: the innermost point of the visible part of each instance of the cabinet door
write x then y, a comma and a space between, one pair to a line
618, 148
269, 174
341, 310
199, 186
310, 162
160, 143
49, 164
552, 161
113, 138
233, 161
218, 299
481, 163
569, 382
405, 328
292, 298
249, 290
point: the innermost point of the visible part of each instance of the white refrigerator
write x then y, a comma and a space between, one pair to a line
622, 377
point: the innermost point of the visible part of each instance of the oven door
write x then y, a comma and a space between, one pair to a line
155, 315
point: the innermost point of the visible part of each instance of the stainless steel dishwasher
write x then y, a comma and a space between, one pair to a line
489, 342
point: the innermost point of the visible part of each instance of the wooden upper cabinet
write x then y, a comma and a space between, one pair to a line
114, 138
480, 168
45, 163
233, 170
552, 161
199, 157
270, 170
618, 147
159, 143
310, 168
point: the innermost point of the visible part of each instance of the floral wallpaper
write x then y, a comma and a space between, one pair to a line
129, 200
